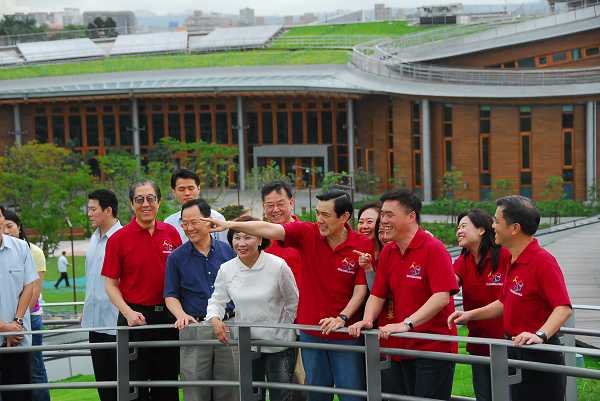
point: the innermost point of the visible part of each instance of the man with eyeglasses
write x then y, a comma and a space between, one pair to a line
134, 267
185, 185
189, 283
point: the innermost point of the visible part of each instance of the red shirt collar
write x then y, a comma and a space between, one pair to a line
416, 242
350, 240
530, 250
158, 225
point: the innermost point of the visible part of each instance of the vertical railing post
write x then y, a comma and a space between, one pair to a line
123, 365
570, 360
246, 391
373, 367
499, 372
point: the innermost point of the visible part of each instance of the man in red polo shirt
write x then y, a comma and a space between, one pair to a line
416, 269
534, 301
134, 267
333, 287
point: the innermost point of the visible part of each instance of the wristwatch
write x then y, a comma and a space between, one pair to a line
19, 320
409, 323
343, 317
541, 334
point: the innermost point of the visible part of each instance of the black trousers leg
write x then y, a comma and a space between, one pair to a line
104, 362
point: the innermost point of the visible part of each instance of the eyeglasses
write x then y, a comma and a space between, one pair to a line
270, 206
151, 199
191, 223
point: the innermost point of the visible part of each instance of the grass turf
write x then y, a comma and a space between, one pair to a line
388, 28
177, 61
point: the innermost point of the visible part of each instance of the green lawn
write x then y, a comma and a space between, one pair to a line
389, 28
63, 294
176, 61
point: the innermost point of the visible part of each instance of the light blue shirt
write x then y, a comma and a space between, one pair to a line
175, 221
16, 271
98, 311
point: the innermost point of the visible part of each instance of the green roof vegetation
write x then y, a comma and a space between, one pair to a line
175, 61
384, 28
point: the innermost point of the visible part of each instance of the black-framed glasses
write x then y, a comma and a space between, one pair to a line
151, 199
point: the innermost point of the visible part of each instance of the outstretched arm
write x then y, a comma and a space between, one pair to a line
258, 228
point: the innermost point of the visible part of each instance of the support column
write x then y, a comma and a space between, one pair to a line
590, 146
242, 152
350, 125
426, 119
18, 130
135, 119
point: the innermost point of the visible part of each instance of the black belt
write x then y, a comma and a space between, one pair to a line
150, 308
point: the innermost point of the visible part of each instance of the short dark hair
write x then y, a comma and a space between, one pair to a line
277, 186
201, 203
14, 217
106, 198
370, 205
185, 174
517, 209
406, 198
140, 183
265, 241
341, 201
2, 210
64, 252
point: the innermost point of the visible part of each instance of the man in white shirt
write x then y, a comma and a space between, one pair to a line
17, 278
98, 310
63, 263
185, 185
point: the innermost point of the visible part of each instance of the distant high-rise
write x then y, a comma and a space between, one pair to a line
247, 17
308, 18
382, 13
200, 22
125, 20
288, 20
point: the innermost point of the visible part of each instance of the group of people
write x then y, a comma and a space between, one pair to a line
389, 274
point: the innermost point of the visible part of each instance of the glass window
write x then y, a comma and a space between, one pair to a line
509, 64
189, 122
525, 119
528, 62
143, 129
567, 120
282, 127
110, 134
559, 57
485, 179
158, 127
92, 130
125, 127
448, 155
252, 123
567, 175
416, 142
206, 127
575, 54
525, 152
174, 125
543, 60
58, 130
525, 178
592, 51
312, 127
568, 148
327, 127
342, 130
75, 132
267, 127
41, 129
297, 131
417, 169
222, 128
484, 126
485, 154
234, 127
448, 112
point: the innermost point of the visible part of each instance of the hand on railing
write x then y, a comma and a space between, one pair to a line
388, 329
135, 319
330, 324
354, 330
220, 330
526, 338
458, 317
13, 341
184, 320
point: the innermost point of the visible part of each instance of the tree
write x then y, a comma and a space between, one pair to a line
554, 192
44, 185
451, 182
504, 187
100, 28
259, 176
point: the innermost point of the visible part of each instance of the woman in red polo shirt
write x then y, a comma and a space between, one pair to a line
480, 270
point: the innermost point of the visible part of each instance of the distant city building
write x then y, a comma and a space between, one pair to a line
72, 16
260, 20
440, 14
308, 18
200, 22
247, 17
125, 20
354, 16
382, 13
288, 20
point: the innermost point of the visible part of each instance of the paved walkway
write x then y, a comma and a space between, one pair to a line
578, 252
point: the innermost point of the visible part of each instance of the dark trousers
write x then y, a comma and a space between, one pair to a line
15, 369
277, 367
104, 362
38, 369
536, 385
63, 276
482, 382
419, 377
154, 363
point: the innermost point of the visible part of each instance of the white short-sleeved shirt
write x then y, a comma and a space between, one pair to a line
62, 264
98, 311
174, 220
264, 293
16, 271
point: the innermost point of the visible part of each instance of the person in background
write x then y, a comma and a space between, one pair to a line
480, 271
98, 311
14, 227
263, 288
62, 263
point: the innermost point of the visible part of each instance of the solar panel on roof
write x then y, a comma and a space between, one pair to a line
150, 43
8, 57
234, 38
59, 50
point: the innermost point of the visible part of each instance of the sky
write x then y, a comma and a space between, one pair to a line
261, 7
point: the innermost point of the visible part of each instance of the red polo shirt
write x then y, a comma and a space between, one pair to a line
290, 255
480, 289
534, 286
412, 278
139, 259
329, 275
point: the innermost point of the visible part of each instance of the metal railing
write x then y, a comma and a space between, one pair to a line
498, 360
